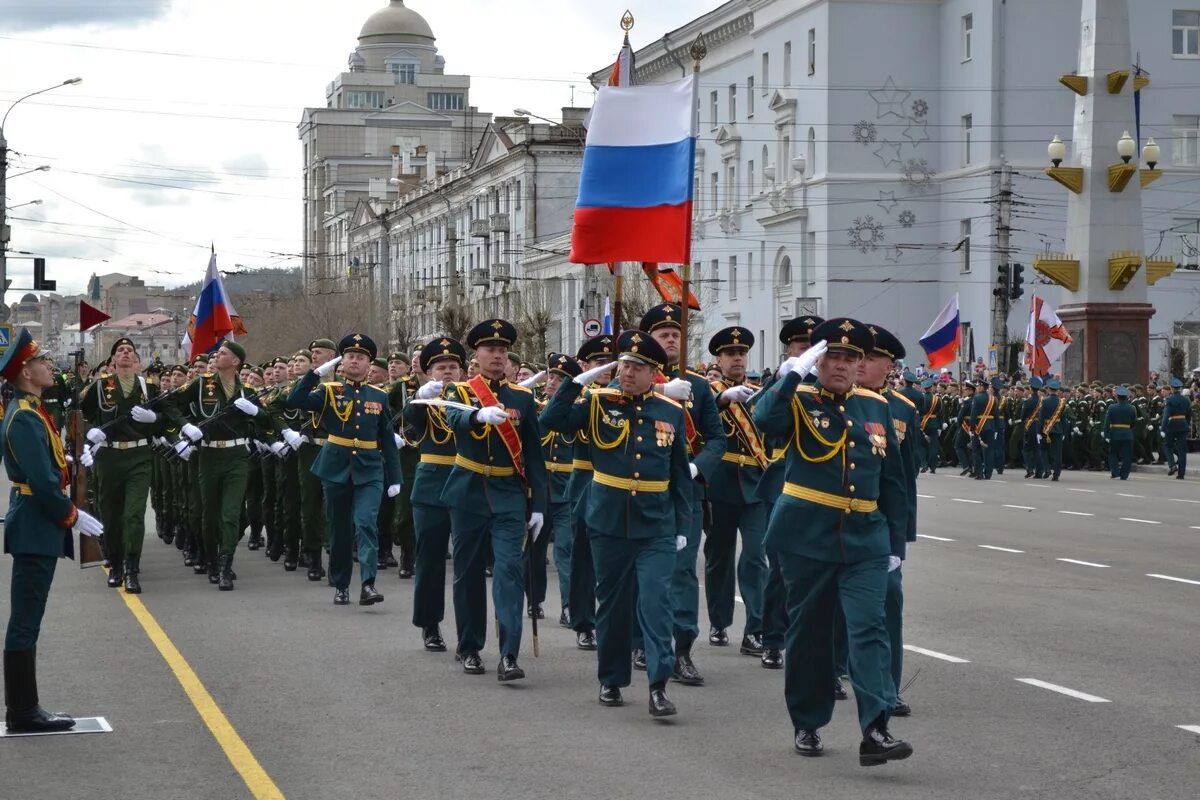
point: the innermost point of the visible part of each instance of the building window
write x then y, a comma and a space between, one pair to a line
812, 51
732, 103
766, 162
364, 99
733, 277
446, 101
966, 129
712, 109
517, 201
1185, 34
404, 73
968, 26
749, 96
750, 281
787, 63
749, 179
713, 197
766, 73
731, 188
1186, 147
785, 159
964, 231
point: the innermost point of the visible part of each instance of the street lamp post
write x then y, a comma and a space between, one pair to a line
4, 231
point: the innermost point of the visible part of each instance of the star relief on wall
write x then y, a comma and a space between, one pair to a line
889, 153
889, 100
887, 201
917, 131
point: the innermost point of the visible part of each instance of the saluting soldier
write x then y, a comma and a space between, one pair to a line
37, 527
839, 525
736, 506
637, 506
1176, 423
1119, 420
443, 360
357, 462
1052, 429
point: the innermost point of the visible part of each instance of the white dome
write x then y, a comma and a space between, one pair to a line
395, 24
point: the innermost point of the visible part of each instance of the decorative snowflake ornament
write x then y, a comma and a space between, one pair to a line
917, 173
864, 132
866, 234
920, 108
907, 218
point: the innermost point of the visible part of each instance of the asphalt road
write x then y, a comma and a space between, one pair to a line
342, 701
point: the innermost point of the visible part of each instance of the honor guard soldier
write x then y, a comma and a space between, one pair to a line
1176, 423
839, 525
314, 524
1052, 430
962, 429
1031, 441
735, 503
982, 419
443, 361
1119, 420
706, 444
496, 491
123, 459
37, 527
931, 427
403, 388
637, 508
558, 455
355, 465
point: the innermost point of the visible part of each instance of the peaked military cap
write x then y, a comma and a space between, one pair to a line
1176, 383
664, 315
324, 343
397, 356
1122, 391
22, 350
640, 347
799, 329
597, 347
909, 376
1053, 384
733, 338
379, 362
357, 343
845, 335
563, 365
257, 371
927, 383
236, 349
1035, 383
443, 349
306, 353
112, 351
492, 332
997, 383
278, 361
886, 343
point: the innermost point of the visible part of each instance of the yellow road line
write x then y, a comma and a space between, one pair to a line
256, 778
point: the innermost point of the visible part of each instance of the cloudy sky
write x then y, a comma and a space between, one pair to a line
184, 128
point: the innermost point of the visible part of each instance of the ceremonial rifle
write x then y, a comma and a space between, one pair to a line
91, 551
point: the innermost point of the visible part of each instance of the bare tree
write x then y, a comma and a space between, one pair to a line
281, 323
455, 320
533, 316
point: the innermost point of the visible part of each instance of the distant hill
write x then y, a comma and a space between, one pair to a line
237, 282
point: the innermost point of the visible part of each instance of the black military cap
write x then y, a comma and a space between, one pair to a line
325, 343
398, 357
733, 338
123, 340
886, 343
279, 360
236, 349
664, 315
639, 346
306, 353
492, 332
597, 347
799, 329
443, 349
379, 362
563, 365
845, 335
357, 343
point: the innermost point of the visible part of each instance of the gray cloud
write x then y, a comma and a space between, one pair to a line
32, 15
247, 165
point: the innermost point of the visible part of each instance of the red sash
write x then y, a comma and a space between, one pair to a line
507, 431
689, 427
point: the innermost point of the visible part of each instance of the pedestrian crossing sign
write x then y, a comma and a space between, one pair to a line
5, 337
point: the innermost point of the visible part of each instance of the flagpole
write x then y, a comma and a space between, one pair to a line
618, 293
698, 51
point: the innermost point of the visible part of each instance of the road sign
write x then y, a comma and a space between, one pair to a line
591, 327
5, 337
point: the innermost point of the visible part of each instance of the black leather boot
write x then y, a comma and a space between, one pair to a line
315, 571
878, 746
132, 568
23, 714
290, 559
179, 536
168, 529
225, 576
256, 540
116, 572
214, 568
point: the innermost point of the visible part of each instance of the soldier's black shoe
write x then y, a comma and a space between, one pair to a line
432, 637
1054, 478
225, 576
392, 563
564, 619
275, 549
639, 659
718, 637
290, 560
964, 473
341, 597
508, 670
168, 533
315, 571
878, 747
303, 560
405, 573
808, 743
1171, 471
839, 691
24, 715
472, 664
116, 576
902, 708
611, 696
214, 569
685, 671
256, 540
132, 584
772, 658
199, 566
586, 640
1028, 475
751, 645
660, 706
369, 595
535, 611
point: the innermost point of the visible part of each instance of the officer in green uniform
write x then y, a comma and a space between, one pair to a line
178, 472
123, 458
443, 360
962, 429
558, 453
314, 526
931, 427
195, 554
637, 508
839, 525
404, 386
735, 503
252, 514
1031, 411
37, 527
917, 397
982, 421
1176, 423
274, 391
1118, 432
1052, 429
496, 490
357, 462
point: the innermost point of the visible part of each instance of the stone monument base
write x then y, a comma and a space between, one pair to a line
1111, 342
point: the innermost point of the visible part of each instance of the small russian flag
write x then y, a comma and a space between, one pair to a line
606, 328
942, 340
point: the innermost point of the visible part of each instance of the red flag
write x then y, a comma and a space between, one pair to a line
90, 317
669, 285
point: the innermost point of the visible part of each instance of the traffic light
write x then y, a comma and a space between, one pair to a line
1017, 282
40, 284
1002, 279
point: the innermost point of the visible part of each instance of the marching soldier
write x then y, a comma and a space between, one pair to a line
357, 462
1119, 420
983, 429
289, 533
314, 525
1031, 412
404, 386
931, 427
637, 508
1052, 430
37, 527
962, 429
558, 455
839, 526
1176, 423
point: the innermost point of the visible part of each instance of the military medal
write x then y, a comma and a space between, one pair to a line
878, 437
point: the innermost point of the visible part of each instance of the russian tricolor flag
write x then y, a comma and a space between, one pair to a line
635, 190
214, 318
944, 336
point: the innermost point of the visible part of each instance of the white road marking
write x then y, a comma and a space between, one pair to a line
1001, 549
927, 496
1139, 496
1181, 500
1169, 578
961, 500
1145, 521
1038, 485
935, 654
935, 538
997, 480
1190, 728
1077, 513
1083, 563
1086, 491
1022, 508
1196, 527
1091, 698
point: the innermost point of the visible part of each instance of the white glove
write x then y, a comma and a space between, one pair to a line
292, 438
160, 441
328, 367
430, 390
586, 378
192, 432
96, 436
260, 447
894, 563
491, 415
279, 449
737, 394
145, 415
1075, 430
806, 362
534, 380
88, 525
694, 470
246, 407
535, 524
678, 389
1039, 438
86, 458
680, 543
183, 449
393, 490
70, 458
399, 440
